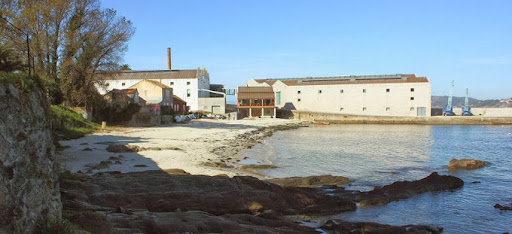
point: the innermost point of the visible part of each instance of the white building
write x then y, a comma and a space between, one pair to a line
186, 84
376, 95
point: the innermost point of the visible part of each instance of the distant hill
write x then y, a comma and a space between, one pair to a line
441, 101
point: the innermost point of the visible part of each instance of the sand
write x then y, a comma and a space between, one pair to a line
188, 146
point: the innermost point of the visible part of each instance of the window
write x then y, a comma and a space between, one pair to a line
388, 108
412, 108
298, 100
319, 91
268, 102
364, 90
278, 98
341, 109
412, 90
388, 90
188, 92
412, 98
341, 90
243, 102
123, 84
107, 84
364, 108
205, 107
172, 83
298, 92
256, 102
188, 82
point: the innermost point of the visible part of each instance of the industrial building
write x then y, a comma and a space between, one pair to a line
190, 85
372, 95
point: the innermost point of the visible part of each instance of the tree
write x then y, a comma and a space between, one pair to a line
9, 60
94, 43
69, 42
125, 67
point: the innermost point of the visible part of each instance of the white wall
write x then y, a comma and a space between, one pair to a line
352, 100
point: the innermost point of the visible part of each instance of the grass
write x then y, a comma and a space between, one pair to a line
68, 124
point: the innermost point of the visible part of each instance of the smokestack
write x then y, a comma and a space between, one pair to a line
169, 58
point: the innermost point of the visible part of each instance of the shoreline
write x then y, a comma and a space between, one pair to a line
199, 147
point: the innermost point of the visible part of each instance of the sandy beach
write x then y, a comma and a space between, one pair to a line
199, 147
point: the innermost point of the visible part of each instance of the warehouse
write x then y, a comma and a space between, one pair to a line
372, 95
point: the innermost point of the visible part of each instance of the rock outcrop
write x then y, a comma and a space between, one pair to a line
157, 191
310, 181
29, 189
400, 190
465, 164
339, 226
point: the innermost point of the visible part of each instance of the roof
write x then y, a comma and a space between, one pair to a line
158, 84
156, 74
129, 91
365, 79
176, 98
255, 92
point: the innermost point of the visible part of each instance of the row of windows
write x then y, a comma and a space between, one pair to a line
171, 83
364, 91
387, 108
411, 98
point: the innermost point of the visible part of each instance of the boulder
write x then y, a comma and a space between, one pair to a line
399, 190
465, 164
339, 226
310, 181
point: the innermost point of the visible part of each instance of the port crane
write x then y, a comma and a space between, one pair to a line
448, 111
466, 111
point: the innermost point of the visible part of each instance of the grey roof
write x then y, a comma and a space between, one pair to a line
157, 74
366, 79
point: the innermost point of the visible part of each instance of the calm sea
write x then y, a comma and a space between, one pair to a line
376, 155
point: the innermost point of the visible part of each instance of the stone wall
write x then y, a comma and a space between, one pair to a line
434, 120
29, 188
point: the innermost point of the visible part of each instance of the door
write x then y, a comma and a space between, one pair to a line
422, 111
216, 110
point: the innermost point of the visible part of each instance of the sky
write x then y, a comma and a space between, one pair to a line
467, 41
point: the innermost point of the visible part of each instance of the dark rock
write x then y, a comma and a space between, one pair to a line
339, 226
465, 164
498, 206
310, 181
157, 191
87, 149
401, 190
201, 222
140, 165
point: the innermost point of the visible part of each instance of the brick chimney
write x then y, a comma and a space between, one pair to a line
169, 58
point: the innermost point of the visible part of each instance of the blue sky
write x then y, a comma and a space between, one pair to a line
469, 41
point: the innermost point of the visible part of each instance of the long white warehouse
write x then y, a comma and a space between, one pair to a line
373, 95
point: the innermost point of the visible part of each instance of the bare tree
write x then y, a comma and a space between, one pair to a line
95, 41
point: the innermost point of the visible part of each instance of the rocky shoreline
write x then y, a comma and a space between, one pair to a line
174, 201
140, 199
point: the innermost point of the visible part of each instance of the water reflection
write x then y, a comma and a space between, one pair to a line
369, 154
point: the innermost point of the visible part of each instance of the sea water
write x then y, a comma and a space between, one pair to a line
376, 155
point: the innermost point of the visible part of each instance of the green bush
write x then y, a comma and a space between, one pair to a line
116, 115
21, 81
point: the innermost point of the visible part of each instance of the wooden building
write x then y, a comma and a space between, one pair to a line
256, 102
